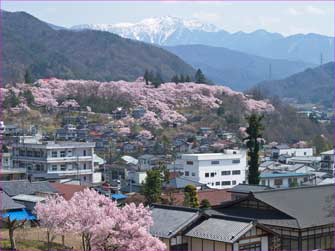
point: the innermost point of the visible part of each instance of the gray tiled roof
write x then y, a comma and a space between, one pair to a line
169, 220
7, 203
244, 188
310, 206
16, 187
222, 230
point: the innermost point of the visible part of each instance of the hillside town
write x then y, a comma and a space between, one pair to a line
167, 125
197, 185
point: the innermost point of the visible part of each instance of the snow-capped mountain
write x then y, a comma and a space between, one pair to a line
152, 30
172, 31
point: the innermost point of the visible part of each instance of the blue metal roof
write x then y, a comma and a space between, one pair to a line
286, 174
21, 214
119, 196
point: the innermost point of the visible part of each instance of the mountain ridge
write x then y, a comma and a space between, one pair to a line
30, 44
297, 47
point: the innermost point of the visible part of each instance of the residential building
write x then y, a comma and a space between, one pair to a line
216, 170
327, 162
56, 160
243, 190
286, 179
183, 228
280, 150
312, 161
300, 218
6, 160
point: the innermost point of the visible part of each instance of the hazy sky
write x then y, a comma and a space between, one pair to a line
284, 17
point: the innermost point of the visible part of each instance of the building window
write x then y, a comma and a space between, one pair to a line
233, 182
206, 175
225, 173
84, 166
212, 174
236, 161
236, 172
215, 162
305, 153
225, 183
84, 152
217, 183
189, 162
63, 154
278, 182
69, 153
187, 173
62, 167
54, 154
193, 174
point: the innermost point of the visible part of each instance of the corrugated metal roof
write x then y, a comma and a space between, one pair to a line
220, 230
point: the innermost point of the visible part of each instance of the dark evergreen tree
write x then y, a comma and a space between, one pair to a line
254, 132
175, 79
11, 100
157, 81
146, 77
29, 97
182, 78
200, 77
188, 79
28, 78
152, 187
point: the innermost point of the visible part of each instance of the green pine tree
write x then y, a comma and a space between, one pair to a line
254, 132
152, 188
200, 77
28, 78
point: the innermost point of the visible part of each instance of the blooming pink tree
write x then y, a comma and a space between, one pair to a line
53, 214
100, 222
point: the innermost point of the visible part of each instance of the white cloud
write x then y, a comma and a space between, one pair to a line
314, 10
307, 10
208, 17
293, 12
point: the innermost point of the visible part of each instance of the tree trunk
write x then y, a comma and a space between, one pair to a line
63, 240
11, 237
83, 242
48, 239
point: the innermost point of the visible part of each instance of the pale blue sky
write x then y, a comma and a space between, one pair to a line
284, 17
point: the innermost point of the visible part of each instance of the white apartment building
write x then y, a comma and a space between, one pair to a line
217, 170
290, 151
55, 160
327, 162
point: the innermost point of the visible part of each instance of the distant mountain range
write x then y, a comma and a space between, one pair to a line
235, 69
30, 45
310, 86
171, 31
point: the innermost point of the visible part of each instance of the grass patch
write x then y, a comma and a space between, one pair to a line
31, 245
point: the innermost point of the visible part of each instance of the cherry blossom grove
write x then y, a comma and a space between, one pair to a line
101, 223
163, 104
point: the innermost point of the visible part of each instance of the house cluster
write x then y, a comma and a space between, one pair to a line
270, 219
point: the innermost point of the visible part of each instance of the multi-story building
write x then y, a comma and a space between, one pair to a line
280, 150
216, 170
327, 162
277, 179
55, 160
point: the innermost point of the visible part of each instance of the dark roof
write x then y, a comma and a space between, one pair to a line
7, 203
270, 217
180, 182
16, 187
245, 188
169, 220
310, 206
219, 229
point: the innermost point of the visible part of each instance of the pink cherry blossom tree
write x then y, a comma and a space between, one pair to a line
100, 222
